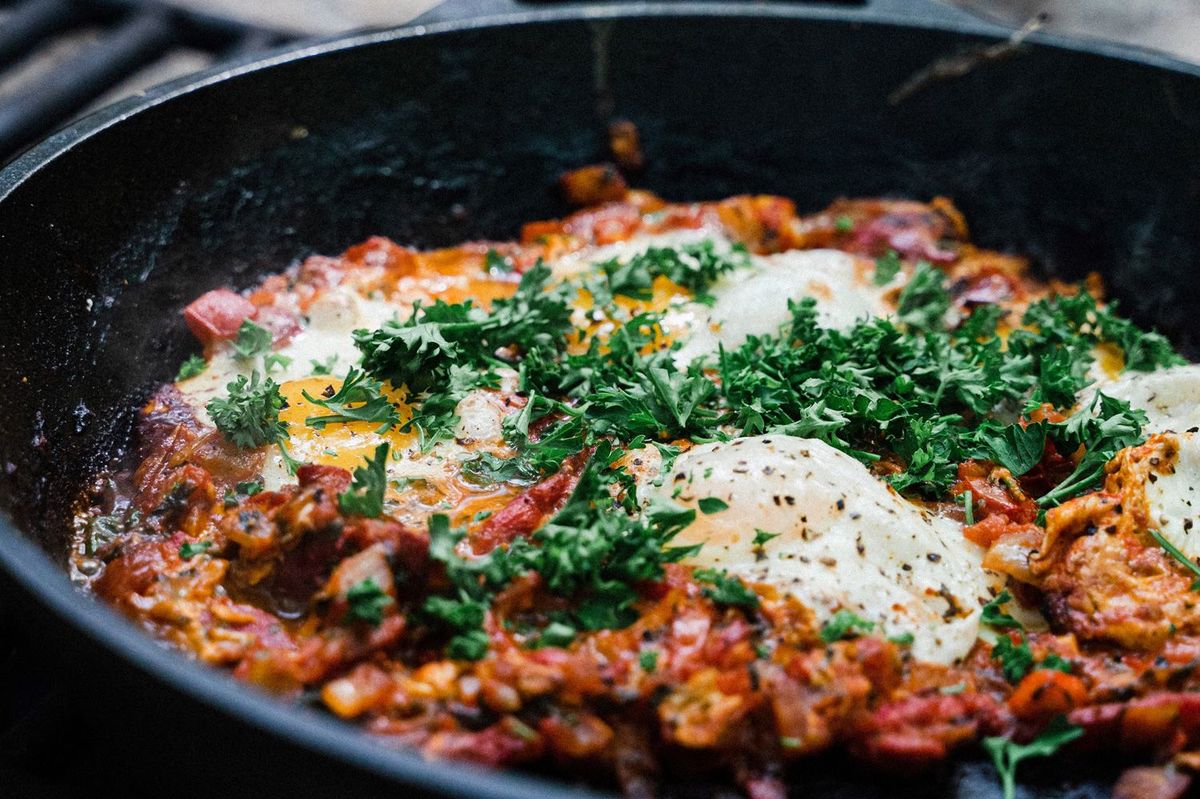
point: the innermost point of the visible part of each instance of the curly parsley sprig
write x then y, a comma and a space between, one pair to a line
359, 399
249, 415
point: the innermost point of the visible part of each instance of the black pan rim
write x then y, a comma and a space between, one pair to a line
34, 572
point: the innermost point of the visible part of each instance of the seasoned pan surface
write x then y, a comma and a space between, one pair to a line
1088, 162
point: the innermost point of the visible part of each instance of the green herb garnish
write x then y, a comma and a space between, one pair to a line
726, 590
189, 550
191, 367
844, 624
365, 495
251, 342
367, 602
1007, 755
359, 399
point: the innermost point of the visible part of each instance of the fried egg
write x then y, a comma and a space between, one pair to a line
1173, 501
755, 302
844, 540
1170, 397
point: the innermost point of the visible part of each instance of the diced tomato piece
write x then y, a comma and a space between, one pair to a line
217, 315
991, 497
527, 511
381, 251
592, 185
1045, 693
331, 478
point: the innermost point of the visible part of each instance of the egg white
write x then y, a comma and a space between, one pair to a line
755, 302
845, 541
1170, 397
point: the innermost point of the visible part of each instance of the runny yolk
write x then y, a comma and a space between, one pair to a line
662, 292
347, 444
1110, 358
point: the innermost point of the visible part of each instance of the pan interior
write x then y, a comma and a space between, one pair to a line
1083, 162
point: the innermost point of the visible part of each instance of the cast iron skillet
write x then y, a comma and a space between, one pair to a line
1087, 157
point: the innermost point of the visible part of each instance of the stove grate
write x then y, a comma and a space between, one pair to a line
122, 38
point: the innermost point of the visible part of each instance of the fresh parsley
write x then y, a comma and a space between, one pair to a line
695, 267
1017, 448
591, 552
324, 367
274, 360
495, 262
924, 301
1007, 755
995, 617
189, 549
1105, 427
711, 505
367, 602
194, 365
251, 342
887, 266
844, 624
249, 413
359, 399
1015, 656
249, 488
761, 537
365, 495
421, 351
726, 590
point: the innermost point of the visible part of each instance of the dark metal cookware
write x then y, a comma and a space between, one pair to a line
1087, 157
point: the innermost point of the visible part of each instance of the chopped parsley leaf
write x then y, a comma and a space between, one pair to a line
324, 367
471, 645
1016, 659
249, 488
495, 262
695, 267
924, 300
487, 469
844, 624
191, 367
421, 351
726, 590
994, 616
556, 633
711, 505
648, 660
274, 360
189, 550
761, 537
1017, 448
887, 266
1007, 755
359, 399
367, 601
1105, 427
251, 342
365, 495
249, 414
